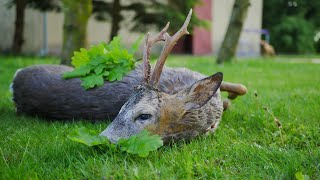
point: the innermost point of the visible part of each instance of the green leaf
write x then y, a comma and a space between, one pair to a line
115, 55
82, 71
102, 62
99, 69
114, 44
115, 75
80, 58
99, 59
300, 176
87, 137
95, 50
141, 144
106, 73
92, 80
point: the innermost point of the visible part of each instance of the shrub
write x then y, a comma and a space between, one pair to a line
293, 35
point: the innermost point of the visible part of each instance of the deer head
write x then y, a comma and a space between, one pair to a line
182, 115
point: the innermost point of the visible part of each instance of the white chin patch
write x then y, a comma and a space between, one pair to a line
16, 73
11, 88
11, 85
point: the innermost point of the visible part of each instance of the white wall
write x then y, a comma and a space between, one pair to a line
32, 31
249, 43
99, 31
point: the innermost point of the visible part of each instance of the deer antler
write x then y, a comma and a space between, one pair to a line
233, 89
170, 41
147, 51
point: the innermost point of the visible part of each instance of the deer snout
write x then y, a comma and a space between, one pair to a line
119, 129
111, 134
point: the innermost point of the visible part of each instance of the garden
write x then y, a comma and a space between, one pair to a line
78, 103
272, 131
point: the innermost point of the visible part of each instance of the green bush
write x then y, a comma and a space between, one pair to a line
291, 24
293, 35
317, 41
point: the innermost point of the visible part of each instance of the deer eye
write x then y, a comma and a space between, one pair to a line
143, 117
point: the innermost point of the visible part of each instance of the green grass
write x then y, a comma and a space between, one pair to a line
246, 145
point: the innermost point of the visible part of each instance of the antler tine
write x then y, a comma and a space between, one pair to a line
147, 52
146, 61
169, 44
233, 89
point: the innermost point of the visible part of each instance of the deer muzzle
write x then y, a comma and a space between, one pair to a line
119, 128
111, 134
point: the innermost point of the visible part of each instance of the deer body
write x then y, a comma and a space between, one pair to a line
267, 49
41, 90
173, 103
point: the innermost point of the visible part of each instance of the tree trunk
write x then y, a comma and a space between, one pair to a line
231, 38
19, 26
76, 16
116, 18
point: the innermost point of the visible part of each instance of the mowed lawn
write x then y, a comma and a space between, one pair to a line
248, 143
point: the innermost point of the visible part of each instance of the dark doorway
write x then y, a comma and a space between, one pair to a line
183, 46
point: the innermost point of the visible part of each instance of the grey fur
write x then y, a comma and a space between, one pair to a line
41, 91
192, 111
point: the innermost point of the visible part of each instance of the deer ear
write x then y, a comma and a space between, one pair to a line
201, 91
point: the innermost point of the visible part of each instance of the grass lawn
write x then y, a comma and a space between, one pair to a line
248, 144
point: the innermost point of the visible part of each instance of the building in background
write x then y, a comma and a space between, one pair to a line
43, 32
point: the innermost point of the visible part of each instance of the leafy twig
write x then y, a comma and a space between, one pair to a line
140, 144
102, 62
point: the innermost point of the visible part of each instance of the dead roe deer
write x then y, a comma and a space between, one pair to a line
175, 103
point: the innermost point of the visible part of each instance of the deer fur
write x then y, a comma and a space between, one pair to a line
41, 91
184, 114
193, 110
267, 49
175, 103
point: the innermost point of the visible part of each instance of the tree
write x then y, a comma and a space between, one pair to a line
146, 14
77, 13
158, 13
116, 18
76, 16
111, 11
19, 26
296, 25
231, 38
20, 7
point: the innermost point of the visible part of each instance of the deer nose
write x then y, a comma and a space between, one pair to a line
111, 138
110, 134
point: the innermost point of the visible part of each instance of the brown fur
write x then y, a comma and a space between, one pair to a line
267, 49
171, 112
178, 120
41, 91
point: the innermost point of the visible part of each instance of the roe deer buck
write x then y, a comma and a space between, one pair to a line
179, 105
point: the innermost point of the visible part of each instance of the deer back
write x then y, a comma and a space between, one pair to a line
40, 90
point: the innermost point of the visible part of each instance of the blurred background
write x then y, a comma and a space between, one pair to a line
33, 27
